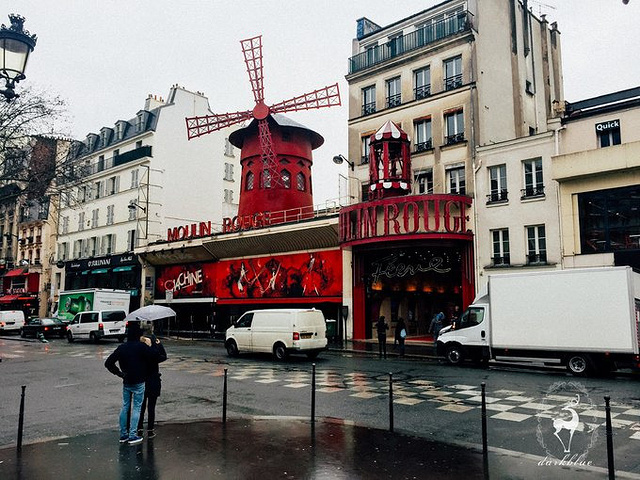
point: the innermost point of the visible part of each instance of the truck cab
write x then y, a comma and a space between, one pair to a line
467, 337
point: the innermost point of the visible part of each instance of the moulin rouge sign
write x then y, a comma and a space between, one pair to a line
235, 224
406, 215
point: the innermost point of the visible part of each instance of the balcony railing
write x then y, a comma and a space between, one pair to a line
424, 146
424, 36
368, 108
531, 192
394, 100
453, 139
364, 159
537, 258
502, 261
497, 196
453, 82
423, 91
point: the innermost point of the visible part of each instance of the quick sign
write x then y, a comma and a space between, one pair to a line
606, 126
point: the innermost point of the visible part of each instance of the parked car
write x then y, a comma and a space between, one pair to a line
11, 320
49, 327
96, 325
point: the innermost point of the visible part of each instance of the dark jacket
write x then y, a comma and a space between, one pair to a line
133, 356
153, 384
382, 328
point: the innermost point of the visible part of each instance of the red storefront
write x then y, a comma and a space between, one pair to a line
20, 290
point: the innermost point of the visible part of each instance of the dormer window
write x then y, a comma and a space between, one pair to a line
105, 136
140, 122
120, 128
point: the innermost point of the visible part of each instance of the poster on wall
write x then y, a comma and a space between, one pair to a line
315, 274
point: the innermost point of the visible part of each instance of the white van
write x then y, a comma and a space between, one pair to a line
280, 332
96, 325
11, 320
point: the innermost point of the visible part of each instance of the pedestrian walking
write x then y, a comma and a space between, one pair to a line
401, 334
382, 327
153, 384
437, 322
132, 358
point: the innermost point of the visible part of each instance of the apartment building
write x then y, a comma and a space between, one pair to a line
458, 77
132, 183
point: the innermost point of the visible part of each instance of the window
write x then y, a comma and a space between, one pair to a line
395, 44
77, 249
453, 73
135, 178
266, 179
472, 317
248, 184
228, 148
286, 178
112, 185
131, 240
536, 245
139, 122
80, 221
94, 246
94, 217
97, 190
394, 92
455, 181
424, 181
133, 212
100, 163
63, 251
366, 143
422, 83
108, 244
454, 122
105, 137
119, 130
138, 144
228, 196
110, 209
500, 239
608, 133
498, 184
423, 135
301, 182
369, 100
228, 172
533, 183
65, 225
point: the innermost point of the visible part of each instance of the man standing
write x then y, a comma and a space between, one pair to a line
133, 356
382, 327
153, 384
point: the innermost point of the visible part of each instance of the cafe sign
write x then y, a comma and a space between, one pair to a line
446, 215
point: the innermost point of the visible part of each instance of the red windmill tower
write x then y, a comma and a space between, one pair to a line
276, 152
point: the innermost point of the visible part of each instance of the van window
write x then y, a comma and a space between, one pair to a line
245, 320
471, 318
114, 316
89, 317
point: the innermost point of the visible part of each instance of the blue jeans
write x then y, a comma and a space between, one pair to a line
137, 391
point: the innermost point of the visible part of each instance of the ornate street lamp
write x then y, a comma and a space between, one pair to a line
15, 46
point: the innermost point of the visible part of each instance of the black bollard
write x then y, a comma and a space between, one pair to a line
607, 408
390, 402
21, 418
313, 394
224, 398
485, 450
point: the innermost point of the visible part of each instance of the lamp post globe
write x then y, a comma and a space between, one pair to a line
15, 46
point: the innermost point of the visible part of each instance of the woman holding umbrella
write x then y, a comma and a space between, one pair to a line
153, 383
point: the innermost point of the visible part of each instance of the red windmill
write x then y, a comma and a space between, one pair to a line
267, 191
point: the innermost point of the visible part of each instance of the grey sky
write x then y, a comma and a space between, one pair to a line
105, 56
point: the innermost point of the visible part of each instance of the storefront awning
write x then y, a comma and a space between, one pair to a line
127, 268
9, 298
100, 270
16, 272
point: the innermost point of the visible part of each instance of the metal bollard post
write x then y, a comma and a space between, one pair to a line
485, 451
390, 402
21, 418
224, 398
607, 408
313, 394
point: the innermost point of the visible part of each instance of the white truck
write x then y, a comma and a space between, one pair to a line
585, 319
72, 302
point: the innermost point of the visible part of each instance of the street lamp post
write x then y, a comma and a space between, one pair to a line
15, 46
338, 159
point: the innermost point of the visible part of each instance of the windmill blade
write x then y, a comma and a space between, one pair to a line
252, 50
198, 126
324, 97
269, 164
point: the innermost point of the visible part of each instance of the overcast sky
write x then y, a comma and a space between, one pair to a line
105, 56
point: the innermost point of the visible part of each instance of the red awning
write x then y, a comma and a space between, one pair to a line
16, 272
8, 298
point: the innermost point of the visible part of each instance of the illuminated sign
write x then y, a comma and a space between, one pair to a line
184, 232
246, 222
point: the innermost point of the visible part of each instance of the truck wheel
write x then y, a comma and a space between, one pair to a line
578, 364
232, 348
280, 351
454, 354
93, 337
69, 337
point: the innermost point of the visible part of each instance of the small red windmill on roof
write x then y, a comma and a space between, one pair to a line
272, 173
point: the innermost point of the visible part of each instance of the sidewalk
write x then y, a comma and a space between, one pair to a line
268, 448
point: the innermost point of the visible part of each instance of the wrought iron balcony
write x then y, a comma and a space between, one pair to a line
502, 261
424, 146
423, 91
532, 192
420, 38
497, 196
453, 82
394, 100
537, 258
368, 108
453, 139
